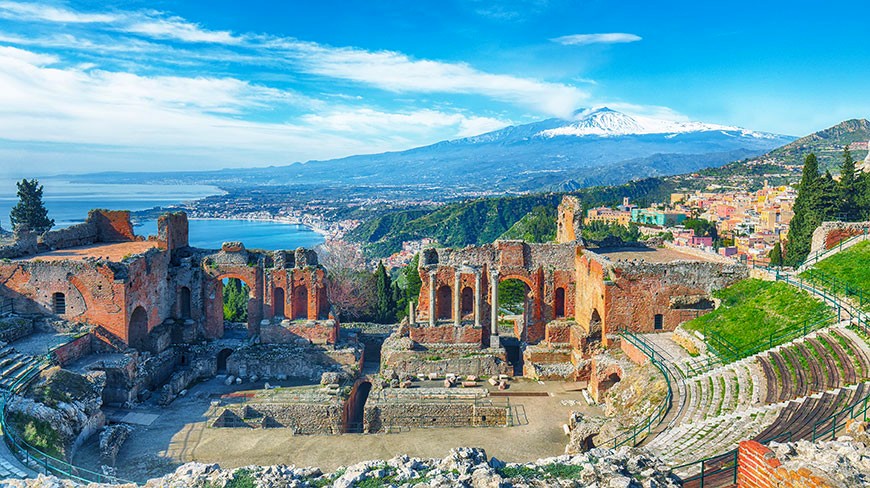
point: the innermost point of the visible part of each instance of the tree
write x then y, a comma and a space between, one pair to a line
408, 284
349, 286
806, 212
775, 255
30, 213
385, 307
848, 187
235, 296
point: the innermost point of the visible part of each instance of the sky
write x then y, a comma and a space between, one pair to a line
157, 85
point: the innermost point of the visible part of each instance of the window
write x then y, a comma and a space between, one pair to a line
58, 303
659, 322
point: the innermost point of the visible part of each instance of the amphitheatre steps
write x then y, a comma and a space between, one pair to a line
14, 366
825, 360
722, 390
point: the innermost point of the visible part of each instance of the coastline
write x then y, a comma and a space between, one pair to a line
278, 220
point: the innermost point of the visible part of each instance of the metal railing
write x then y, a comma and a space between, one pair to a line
728, 352
817, 256
831, 284
32, 456
856, 315
859, 409
720, 470
642, 429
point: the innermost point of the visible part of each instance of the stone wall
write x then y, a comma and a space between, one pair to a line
302, 418
758, 467
287, 331
295, 361
13, 328
381, 417
73, 350
401, 355
569, 221
829, 234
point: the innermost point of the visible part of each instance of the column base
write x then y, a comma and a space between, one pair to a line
494, 341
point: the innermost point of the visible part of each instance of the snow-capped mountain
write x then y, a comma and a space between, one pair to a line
596, 147
605, 122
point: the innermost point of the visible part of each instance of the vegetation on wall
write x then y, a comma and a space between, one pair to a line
235, 300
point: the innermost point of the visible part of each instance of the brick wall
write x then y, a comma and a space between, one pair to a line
73, 350
633, 352
758, 467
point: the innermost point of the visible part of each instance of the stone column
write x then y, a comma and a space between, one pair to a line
457, 299
493, 287
412, 315
477, 299
432, 299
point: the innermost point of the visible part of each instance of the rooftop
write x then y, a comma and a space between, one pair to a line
115, 251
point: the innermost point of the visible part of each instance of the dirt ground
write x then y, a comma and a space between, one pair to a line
180, 434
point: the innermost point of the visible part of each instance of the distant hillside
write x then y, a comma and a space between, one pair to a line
827, 144
485, 220
600, 147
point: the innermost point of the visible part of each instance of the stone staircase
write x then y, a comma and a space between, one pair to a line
14, 366
725, 389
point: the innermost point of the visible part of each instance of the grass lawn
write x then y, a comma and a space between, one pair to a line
752, 310
851, 267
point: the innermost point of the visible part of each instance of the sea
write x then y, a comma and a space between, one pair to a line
68, 203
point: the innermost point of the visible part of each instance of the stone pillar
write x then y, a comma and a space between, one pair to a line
457, 299
493, 287
412, 315
477, 299
432, 299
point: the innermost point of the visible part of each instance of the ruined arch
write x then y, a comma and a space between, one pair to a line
184, 302
278, 302
517, 302
137, 332
444, 302
221, 358
354, 413
559, 303
300, 302
466, 302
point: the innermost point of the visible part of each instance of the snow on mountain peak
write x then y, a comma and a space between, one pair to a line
605, 122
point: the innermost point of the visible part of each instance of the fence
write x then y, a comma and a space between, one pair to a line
643, 428
859, 409
823, 253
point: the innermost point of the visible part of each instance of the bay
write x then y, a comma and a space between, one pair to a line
68, 203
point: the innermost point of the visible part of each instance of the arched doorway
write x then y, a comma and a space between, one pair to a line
356, 403
467, 302
184, 302
515, 303
278, 302
444, 302
137, 334
559, 304
595, 326
300, 302
236, 296
609, 381
222, 360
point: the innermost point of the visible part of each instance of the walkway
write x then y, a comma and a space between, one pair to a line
10, 467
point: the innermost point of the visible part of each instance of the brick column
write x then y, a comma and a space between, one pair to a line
457, 299
493, 287
432, 299
477, 299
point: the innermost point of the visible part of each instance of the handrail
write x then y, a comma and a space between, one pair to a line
823, 253
832, 284
33, 457
855, 314
852, 414
645, 426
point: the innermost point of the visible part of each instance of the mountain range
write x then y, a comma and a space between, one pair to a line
595, 147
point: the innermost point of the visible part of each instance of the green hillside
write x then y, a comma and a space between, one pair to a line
752, 310
484, 220
827, 145
846, 273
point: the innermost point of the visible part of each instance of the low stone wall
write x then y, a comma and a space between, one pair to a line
288, 332
13, 328
294, 361
73, 350
478, 362
302, 418
23, 245
75, 235
447, 334
380, 417
829, 234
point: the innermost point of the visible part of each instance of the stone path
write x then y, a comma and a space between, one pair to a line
10, 467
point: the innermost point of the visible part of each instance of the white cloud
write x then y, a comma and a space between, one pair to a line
608, 38
48, 13
29, 57
179, 29
420, 122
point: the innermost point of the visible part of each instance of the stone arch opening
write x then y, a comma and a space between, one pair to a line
137, 335
559, 303
222, 357
515, 302
300, 302
184, 302
608, 383
58, 303
236, 295
658, 321
278, 302
467, 301
444, 302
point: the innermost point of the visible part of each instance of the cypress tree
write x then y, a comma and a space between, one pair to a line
848, 189
385, 308
30, 213
775, 255
804, 221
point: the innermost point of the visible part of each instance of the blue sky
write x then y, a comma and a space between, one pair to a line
218, 83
